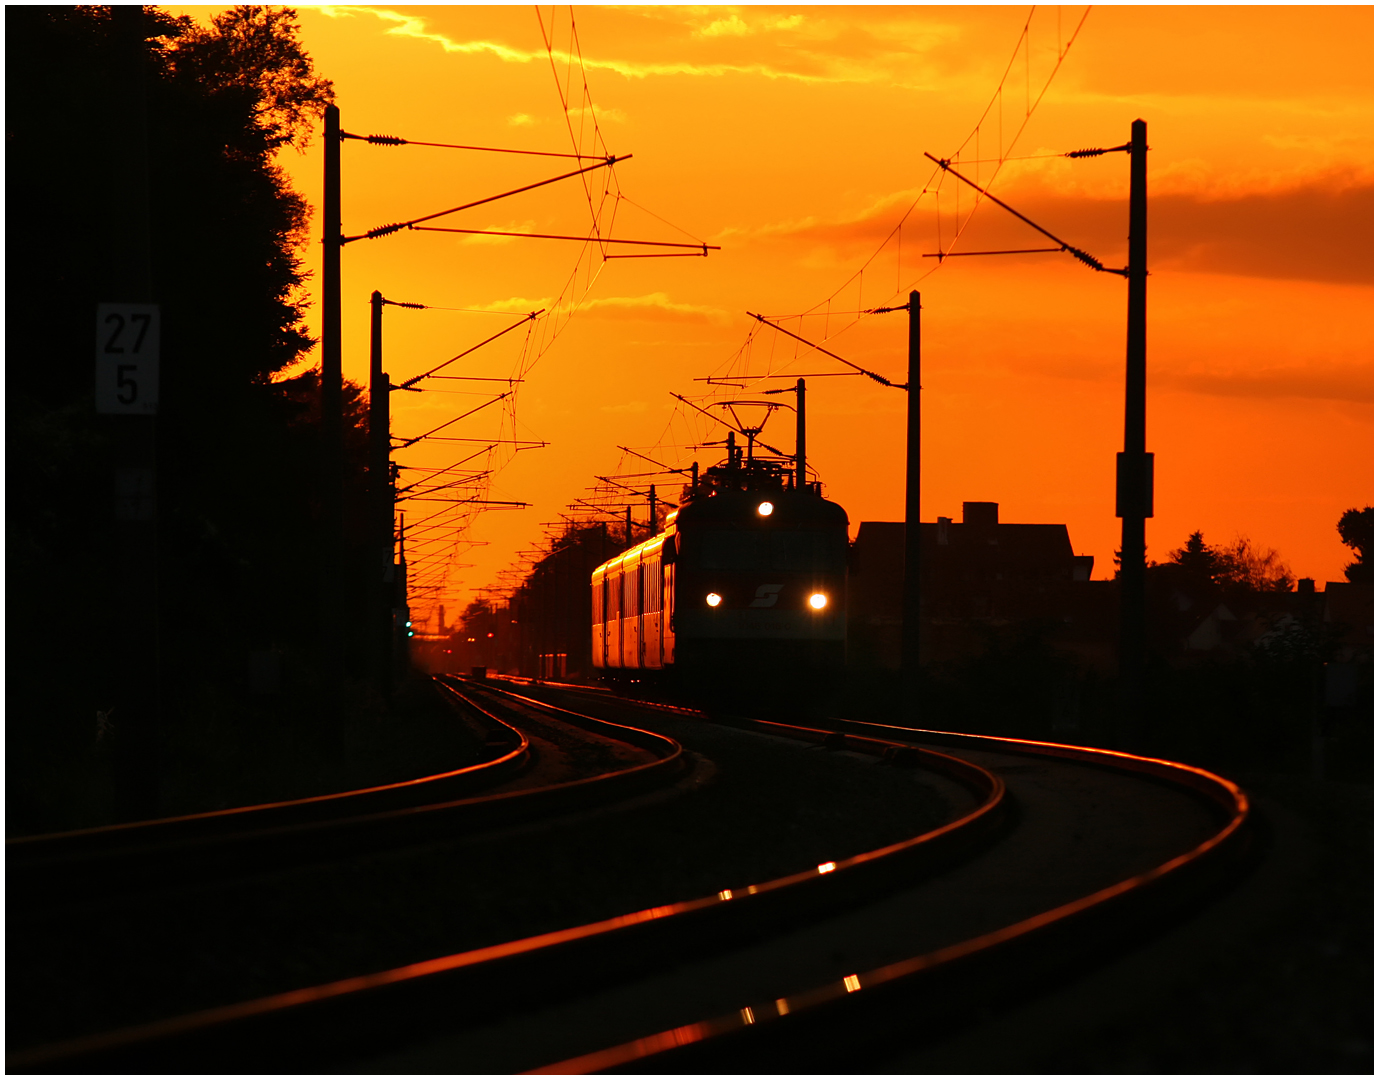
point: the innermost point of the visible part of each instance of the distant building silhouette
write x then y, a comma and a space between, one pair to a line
974, 573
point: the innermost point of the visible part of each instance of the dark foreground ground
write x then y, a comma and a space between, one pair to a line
1276, 978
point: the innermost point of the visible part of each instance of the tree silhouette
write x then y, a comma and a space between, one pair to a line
1357, 533
1200, 563
251, 63
236, 440
1258, 569
1237, 566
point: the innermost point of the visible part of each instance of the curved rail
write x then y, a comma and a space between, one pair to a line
413, 996
788, 1030
248, 839
20, 850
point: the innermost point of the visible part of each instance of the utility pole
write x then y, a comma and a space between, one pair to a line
136, 703
910, 589
401, 637
332, 456
381, 503
1134, 467
801, 477
651, 511
629, 525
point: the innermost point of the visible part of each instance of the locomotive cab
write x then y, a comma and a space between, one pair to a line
742, 596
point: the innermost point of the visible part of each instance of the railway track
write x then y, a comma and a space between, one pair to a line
510, 975
799, 971
63, 889
879, 983
507, 784
961, 968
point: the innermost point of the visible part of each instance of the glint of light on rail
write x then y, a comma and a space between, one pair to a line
782, 1006
827, 867
748, 1017
726, 894
851, 983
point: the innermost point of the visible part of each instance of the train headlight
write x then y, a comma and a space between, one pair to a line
765, 509
818, 601
713, 599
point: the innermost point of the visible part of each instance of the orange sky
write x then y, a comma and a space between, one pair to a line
795, 138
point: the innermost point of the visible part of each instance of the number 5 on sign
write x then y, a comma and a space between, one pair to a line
127, 358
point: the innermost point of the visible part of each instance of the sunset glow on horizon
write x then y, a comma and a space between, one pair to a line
795, 139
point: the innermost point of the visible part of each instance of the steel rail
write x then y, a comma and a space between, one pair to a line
247, 840
312, 1020
802, 1030
25, 851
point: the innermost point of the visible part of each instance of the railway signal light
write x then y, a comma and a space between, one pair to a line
818, 601
713, 599
765, 509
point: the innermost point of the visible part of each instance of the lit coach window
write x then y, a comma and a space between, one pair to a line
818, 601
713, 599
765, 509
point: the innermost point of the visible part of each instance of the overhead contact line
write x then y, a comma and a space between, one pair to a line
941, 255
599, 509
668, 254
700, 249
472, 502
388, 230
507, 330
666, 468
394, 140
480, 378
723, 380
729, 426
1077, 253
492, 401
610, 480
470, 479
814, 345
448, 468
522, 444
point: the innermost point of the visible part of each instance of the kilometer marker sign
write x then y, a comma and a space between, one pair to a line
127, 358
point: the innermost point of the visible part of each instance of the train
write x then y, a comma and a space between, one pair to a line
745, 586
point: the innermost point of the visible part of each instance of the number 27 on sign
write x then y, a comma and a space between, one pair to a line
127, 358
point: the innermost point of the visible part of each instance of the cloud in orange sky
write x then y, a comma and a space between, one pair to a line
1334, 382
823, 48
654, 307
732, 24
1320, 230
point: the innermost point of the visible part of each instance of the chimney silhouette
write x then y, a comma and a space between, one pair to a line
979, 513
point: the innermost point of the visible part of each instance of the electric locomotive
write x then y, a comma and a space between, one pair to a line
745, 588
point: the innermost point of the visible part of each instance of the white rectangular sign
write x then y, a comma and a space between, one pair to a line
127, 358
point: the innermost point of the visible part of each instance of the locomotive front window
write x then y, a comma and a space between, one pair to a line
754, 549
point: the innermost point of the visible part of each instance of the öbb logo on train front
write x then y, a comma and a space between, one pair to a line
767, 595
